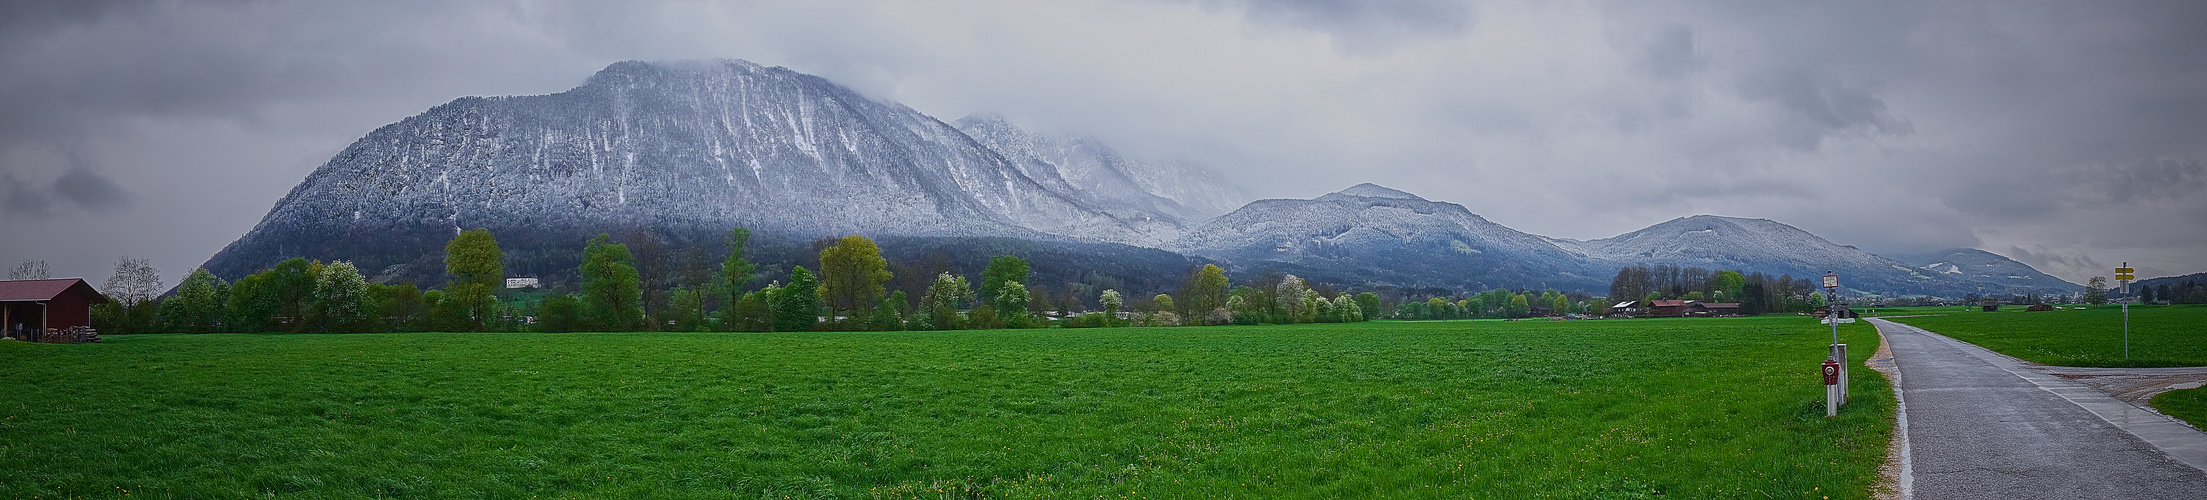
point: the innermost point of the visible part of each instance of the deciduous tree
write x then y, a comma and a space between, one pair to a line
339, 294
29, 270
797, 308
851, 276
475, 269
2095, 290
612, 293
197, 305
735, 274
1206, 290
1002, 269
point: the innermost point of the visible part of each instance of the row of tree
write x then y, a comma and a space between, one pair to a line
848, 293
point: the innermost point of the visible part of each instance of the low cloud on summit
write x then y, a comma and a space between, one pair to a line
2065, 135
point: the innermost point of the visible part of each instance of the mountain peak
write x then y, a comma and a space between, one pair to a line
1370, 190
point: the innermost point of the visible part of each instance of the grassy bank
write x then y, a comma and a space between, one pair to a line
2188, 404
1616, 409
2159, 335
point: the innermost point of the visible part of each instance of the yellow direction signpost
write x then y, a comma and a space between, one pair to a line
2123, 275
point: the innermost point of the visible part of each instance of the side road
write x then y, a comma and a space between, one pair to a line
1983, 425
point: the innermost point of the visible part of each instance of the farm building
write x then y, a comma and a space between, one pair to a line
28, 308
1684, 308
1714, 309
1668, 308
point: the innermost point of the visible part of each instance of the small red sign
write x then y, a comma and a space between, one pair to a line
1831, 372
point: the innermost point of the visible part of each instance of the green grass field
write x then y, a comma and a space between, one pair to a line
2189, 405
1688, 408
2159, 335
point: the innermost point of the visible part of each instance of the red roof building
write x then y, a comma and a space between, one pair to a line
29, 307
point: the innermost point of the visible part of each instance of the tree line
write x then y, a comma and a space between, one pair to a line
847, 293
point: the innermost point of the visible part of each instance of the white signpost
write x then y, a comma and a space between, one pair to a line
2123, 275
1835, 393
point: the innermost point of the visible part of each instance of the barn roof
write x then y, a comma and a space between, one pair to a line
40, 290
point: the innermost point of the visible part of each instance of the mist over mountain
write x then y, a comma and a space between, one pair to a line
1087, 169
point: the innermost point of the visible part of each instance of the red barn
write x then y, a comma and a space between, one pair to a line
29, 307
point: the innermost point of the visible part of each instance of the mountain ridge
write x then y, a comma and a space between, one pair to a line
680, 147
680, 151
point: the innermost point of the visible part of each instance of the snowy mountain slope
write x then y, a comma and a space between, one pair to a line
1088, 169
701, 145
1371, 235
1750, 245
1991, 272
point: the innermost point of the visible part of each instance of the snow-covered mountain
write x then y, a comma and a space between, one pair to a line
1376, 236
1087, 169
694, 146
1751, 245
682, 151
1774, 248
1989, 272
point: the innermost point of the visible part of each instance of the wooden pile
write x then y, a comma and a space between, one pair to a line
73, 335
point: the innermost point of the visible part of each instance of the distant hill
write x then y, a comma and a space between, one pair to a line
1988, 272
1375, 236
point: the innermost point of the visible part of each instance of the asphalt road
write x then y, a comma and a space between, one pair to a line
1980, 426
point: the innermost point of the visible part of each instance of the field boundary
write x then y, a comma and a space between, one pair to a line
2173, 437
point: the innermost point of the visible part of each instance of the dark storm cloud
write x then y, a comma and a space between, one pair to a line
86, 188
1821, 105
77, 188
2143, 182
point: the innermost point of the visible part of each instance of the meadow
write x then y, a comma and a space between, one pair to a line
1691, 408
2092, 336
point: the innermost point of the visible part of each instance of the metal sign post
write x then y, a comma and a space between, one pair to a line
1836, 358
1831, 303
2123, 275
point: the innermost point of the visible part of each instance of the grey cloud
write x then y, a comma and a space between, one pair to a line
90, 190
2143, 182
2057, 263
1366, 26
24, 198
79, 188
1672, 52
1822, 105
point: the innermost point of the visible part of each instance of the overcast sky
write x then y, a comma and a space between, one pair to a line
2068, 135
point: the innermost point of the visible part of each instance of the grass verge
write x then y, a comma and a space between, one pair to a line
1691, 408
2189, 405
